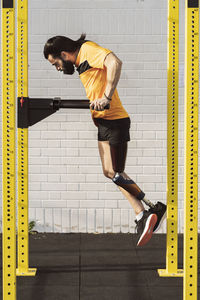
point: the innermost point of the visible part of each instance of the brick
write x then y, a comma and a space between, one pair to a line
34, 186
54, 196
82, 220
37, 161
92, 195
111, 204
92, 204
99, 221
116, 220
57, 218
52, 152
35, 204
124, 220
149, 187
35, 195
146, 135
48, 219
124, 203
73, 178
71, 195
74, 220
107, 220
38, 177
39, 216
72, 187
57, 169
91, 220
110, 195
53, 187
66, 220
73, 203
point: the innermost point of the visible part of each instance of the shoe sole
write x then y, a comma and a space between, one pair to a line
148, 230
161, 221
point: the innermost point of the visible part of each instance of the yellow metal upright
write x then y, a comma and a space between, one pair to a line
172, 142
8, 150
191, 150
22, 88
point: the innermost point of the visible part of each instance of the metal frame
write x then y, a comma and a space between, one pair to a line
191, 146
191, 150
22, 172
190, 269
172, 142
8, 151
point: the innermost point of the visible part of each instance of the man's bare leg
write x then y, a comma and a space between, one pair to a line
104, 150
113, 159
135, 203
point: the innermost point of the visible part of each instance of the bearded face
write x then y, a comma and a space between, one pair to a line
67, 67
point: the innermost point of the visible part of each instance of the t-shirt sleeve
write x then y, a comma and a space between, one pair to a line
96, 55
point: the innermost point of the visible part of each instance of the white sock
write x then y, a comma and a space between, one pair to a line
139, 216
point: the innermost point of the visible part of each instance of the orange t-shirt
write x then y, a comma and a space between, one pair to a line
92, 72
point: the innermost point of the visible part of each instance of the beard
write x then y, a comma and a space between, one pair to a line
67, 67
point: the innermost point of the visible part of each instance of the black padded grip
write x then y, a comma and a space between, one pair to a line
106, 107
193, 3
7, 4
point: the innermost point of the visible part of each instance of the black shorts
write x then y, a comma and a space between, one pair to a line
114, 131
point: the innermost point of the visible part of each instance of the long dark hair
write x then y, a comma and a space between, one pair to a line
57, 44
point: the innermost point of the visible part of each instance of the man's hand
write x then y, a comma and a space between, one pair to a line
99, 104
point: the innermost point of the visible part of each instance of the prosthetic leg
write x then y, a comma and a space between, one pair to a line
118, 155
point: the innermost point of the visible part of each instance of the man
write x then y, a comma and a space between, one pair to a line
99, 70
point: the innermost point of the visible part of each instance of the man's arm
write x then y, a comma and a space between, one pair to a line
113, 65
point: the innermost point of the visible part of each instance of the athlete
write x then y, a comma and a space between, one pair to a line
99, 70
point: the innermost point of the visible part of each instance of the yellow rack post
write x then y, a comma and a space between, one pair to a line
191, 150
22, 88
172, 142
8, 150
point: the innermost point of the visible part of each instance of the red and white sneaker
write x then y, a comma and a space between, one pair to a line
160, 209
145, 226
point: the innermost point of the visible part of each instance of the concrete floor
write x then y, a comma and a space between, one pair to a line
98, 266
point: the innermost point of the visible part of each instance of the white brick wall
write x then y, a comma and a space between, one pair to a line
67, 190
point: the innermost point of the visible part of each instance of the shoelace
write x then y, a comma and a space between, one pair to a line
153, 209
